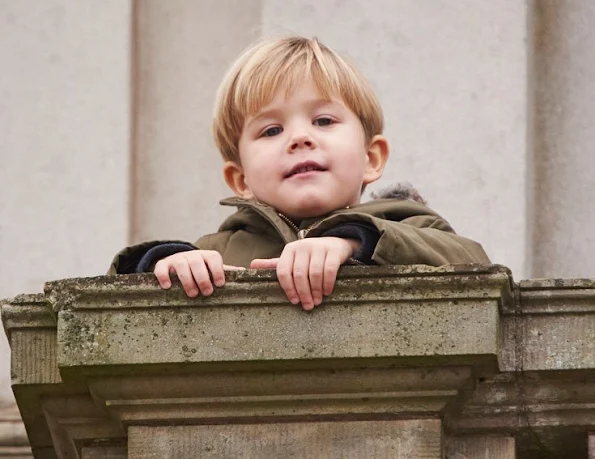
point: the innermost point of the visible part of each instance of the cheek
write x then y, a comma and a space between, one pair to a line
255, 173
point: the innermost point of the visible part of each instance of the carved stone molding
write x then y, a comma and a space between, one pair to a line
105, 367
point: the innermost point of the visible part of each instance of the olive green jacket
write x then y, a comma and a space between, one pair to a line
410, 233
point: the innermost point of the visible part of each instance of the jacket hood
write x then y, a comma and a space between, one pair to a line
401, 191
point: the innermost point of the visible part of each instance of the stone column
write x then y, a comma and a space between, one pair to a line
182, 49
564, 107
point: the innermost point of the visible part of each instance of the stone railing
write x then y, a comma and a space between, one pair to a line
399, 362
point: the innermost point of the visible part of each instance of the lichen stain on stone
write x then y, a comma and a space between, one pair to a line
188, 352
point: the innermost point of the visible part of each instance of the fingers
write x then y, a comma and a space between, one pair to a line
200, 275
332, 263
285, 274
233, 268
194, 269
161, 272
214, 263
317, 267
186, 269
301, 279
264, 263
307, 270
301, 274
294, 275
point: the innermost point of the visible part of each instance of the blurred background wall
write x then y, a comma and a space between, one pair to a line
105, 112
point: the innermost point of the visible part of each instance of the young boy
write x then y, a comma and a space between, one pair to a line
300, 131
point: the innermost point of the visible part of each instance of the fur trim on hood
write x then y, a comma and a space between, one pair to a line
401, 190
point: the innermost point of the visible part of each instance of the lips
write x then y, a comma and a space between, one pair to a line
306, 166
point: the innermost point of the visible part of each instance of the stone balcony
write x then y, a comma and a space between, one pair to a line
399, 362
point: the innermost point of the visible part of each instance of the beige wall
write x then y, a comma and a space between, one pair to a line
64, 139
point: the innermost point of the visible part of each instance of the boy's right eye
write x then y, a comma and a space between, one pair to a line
272, 131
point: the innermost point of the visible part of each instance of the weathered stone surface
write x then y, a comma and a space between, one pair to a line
411, 439
76, 421
459, 345
480, 448
31, 329
553, 327
373, 316
104, 452
282, 396
549, 412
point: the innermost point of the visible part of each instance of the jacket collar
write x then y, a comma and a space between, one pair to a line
392, 203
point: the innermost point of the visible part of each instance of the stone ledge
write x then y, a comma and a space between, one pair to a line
98, 360
557, 296
131, 321
381, 284
553, 327
27, 311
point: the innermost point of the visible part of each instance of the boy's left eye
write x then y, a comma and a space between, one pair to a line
323, 121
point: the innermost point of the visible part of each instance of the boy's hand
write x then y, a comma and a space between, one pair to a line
307, 269
194, 269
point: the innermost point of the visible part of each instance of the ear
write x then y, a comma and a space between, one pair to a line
234, 176
377, 156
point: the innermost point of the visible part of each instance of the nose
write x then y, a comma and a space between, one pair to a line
302, 141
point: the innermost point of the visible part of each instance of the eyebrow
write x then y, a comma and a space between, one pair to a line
275, 111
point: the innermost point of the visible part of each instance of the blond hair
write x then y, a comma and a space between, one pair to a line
256, 76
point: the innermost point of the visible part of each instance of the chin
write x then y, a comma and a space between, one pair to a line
309, 211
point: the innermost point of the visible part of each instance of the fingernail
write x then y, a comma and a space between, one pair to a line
220, 282
294, 300
207, 291
166, 284
317, 301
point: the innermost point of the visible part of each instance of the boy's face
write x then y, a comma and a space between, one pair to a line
305, 156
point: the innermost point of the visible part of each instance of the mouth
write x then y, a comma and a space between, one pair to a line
302, 168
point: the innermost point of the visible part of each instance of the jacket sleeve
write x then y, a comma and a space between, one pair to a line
418, 239
141, 258
366, 234
424, 240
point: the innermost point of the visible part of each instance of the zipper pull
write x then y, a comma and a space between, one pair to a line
302, 233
